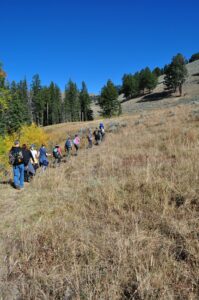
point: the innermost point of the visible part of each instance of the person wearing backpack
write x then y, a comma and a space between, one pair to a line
76, 143
101, 125
35, 156
29, 170
17, 161
68, 147
43, 157
57, 155
102, 131
98, 136
90, 139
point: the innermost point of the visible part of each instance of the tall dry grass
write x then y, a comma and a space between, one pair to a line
120, 221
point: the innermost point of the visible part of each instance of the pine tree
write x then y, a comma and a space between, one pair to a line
194, 57
45, 100
2, 76
147, 80
5, 98
109, 100
37, 101
54, 104
58, 107
14, 114
85, 103
176, 74
22, 91
130, 85
71, 102
157, 72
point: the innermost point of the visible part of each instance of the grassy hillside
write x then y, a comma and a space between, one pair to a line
159, 99
120, 221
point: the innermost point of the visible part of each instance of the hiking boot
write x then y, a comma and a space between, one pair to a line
17, 187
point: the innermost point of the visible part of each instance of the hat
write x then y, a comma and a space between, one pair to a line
16, 142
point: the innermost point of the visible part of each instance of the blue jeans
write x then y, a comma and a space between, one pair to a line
18, 173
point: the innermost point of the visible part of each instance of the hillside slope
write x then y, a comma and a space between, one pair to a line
159, 99
120, 221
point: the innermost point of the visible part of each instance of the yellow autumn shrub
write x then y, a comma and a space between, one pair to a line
29, 134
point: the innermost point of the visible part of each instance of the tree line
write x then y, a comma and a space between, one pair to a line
43, 105
47, 105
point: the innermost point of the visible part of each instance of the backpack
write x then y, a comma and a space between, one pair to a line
68, 144
56, 153
15, 157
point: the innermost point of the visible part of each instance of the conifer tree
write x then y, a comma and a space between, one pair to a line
71, 102
157, 72
45, 100
85, 103
22, 90
194, 57
37, 101
109, 100
14, 114
176, 74
147, 80
130, 85
5, 98
54, 104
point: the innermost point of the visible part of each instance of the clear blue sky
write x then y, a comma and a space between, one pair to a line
93, 40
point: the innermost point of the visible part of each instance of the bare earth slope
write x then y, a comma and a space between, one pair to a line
120, 221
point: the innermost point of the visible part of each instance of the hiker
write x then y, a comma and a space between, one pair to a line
98, 136
16, 159
76, 143
43, 157
101, 125
57, 155
35, 155
68, 147
102, 130
90, 139
29, 170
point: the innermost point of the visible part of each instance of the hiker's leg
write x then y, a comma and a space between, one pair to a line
55, 162
31, 170
90, 143
68, 152
76, 148
16, 175
21, 170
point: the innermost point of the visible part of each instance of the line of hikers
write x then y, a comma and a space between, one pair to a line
25, 161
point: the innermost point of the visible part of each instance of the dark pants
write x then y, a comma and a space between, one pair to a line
29, 172
57, 161
76, 148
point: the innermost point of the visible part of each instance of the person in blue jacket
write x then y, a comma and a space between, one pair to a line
43, 157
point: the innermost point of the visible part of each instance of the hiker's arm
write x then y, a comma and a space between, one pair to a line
32, 157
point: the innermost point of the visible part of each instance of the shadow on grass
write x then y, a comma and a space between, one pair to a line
195, 74
155, 97
6, 182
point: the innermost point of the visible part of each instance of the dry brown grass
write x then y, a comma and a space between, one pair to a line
118, 222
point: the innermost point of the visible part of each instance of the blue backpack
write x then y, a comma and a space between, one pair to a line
68, 144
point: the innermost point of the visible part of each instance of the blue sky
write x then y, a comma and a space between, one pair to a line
93, 40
